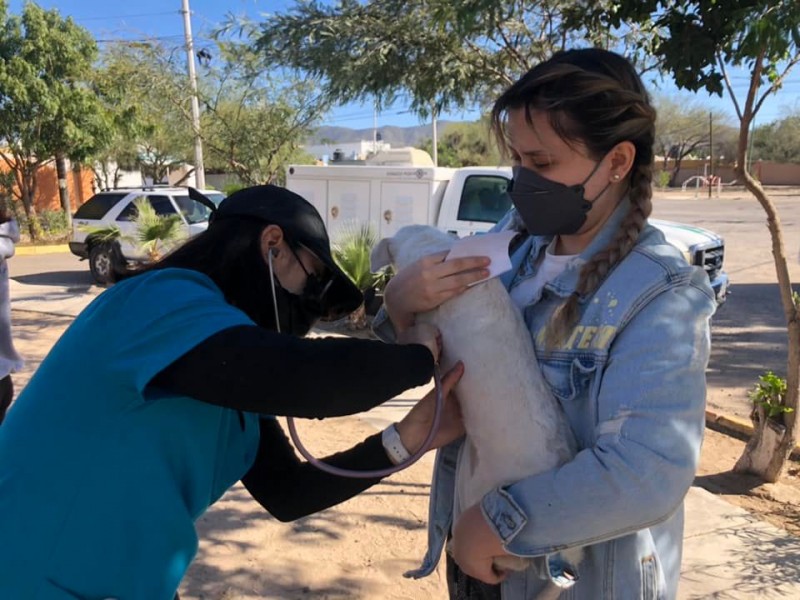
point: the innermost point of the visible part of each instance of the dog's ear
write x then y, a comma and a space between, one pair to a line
381, 255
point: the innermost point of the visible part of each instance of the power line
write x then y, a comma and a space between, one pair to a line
137, 16
149, 39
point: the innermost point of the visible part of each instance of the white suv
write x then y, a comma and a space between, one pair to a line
108, 260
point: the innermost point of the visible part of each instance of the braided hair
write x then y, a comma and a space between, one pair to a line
593, 97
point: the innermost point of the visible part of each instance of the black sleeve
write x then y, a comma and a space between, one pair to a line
255, 370
290, 489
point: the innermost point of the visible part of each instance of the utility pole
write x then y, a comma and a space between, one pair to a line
710, 152
435, 138
749, 162
374, 131
199, 169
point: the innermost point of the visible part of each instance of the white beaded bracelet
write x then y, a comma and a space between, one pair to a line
393, 445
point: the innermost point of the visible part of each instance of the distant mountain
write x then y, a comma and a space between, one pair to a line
396, 136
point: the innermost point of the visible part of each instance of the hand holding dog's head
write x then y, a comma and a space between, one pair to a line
409, 244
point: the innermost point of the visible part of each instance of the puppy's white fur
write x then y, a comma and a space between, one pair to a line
515, 427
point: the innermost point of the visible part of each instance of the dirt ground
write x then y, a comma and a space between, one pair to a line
360, 548
777, 503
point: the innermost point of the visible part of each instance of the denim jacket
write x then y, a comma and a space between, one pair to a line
631, 380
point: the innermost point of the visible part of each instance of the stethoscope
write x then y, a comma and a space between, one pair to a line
323, 466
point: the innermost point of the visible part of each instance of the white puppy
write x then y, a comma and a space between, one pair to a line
515, 426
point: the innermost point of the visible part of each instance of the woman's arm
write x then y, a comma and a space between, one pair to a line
9, 235
289, 488
252, 369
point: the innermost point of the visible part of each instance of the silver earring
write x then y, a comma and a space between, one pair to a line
615, 177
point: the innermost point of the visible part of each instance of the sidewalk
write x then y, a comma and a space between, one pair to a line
360, 549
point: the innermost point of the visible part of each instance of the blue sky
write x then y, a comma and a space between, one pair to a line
109, 20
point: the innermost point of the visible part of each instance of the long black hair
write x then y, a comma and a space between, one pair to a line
229, 253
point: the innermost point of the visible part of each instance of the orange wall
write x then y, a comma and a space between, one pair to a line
79, 184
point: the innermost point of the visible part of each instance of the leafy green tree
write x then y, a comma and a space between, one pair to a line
682, 129
697, 41
443, 54
45, 107
464, 145
255, 117
143, 89
778, 141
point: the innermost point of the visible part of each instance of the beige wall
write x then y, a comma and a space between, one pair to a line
768, 173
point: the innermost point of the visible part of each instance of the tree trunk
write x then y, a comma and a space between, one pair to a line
768, 451
763, 447
358, 318
34, 227
63, 190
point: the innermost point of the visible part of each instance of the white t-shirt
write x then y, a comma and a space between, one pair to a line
550, 267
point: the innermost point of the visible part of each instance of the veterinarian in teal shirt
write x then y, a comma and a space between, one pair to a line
159, 397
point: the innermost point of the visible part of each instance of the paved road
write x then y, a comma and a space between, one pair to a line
64, 270
749, 334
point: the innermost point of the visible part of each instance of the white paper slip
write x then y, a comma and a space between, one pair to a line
493, 245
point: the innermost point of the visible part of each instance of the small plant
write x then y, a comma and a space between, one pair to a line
107, 233
769, 393
231, 188
352, 252
155, 234
382, 277
663, 178
54, 224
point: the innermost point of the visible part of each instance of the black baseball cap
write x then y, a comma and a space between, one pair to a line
301, 224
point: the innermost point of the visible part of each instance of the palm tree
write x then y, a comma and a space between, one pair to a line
352, 252
155, 234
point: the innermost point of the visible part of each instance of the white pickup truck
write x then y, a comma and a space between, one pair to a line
461, 201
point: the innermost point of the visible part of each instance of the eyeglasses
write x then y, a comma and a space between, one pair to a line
316, 288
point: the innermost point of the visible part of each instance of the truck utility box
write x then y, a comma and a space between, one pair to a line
462, 201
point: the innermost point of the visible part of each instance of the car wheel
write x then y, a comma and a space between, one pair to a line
104, 262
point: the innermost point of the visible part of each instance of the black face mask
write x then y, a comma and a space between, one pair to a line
548, 207
295, 316
298, 313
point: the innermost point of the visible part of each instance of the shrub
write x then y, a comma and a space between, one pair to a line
770, 393
352, 250
52, 223
663, 178
232, 187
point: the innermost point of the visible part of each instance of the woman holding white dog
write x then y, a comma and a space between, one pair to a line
620, 325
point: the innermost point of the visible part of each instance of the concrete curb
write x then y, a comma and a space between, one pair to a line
737, 427
45, 249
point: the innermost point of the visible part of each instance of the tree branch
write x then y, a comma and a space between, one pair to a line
728, 85
777, 83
